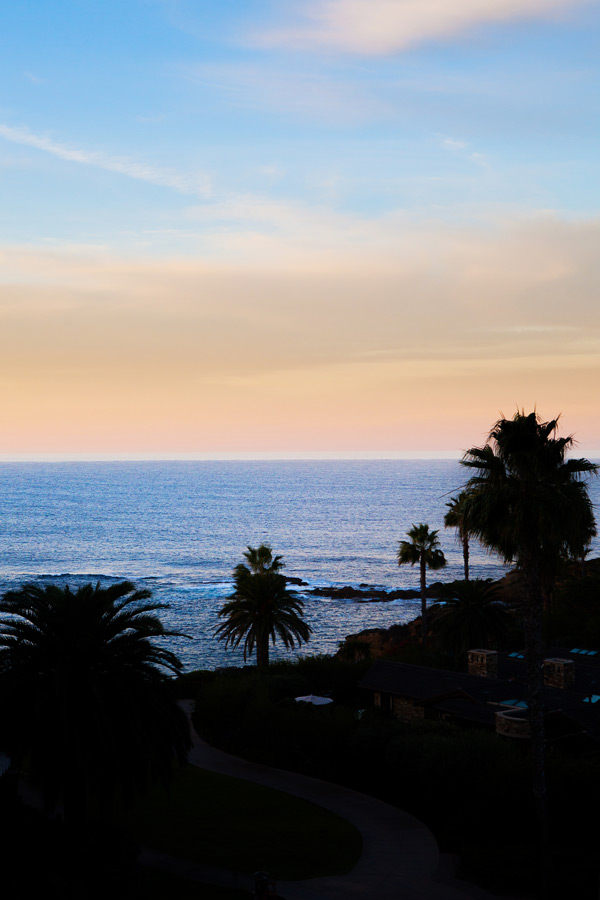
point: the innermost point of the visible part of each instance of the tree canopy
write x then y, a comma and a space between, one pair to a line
530, 503
527, 500
261, 608
85, 694
472, 616
424, 549
458, 517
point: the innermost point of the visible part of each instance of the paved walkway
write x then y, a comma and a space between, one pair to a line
400, 858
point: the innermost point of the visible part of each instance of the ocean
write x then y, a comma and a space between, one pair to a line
179, 528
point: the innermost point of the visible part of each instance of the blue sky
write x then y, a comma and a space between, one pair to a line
500, 114
308, 136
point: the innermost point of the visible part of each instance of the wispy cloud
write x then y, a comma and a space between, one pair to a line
461, 148
452, 144
198, 185
34, 79
309, 94
388, 26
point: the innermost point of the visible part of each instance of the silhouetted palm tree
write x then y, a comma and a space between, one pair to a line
528, 502
472, 617
423, 548
85, 694
261, 559
457, 517
262, 608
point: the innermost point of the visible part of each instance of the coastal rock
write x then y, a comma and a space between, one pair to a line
377, 642
374, 642
366, 594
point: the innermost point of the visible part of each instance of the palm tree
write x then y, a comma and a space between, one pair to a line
85, 692
457, 517
261, 559
472, 616
262, 608
423, 548
530, 504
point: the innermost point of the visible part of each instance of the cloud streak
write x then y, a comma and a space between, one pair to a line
376, 27
198, 185
294, 94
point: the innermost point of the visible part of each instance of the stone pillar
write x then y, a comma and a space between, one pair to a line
484, 663
559, 673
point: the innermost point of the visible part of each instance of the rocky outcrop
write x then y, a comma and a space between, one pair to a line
366, 594
375, 642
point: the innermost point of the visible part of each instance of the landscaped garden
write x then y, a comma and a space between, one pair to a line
239, 826
470, 787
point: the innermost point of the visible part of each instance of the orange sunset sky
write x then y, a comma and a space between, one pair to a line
230, 233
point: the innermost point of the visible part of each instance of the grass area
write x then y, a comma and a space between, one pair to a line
240, 826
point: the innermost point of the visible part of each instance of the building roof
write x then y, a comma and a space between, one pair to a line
476, 698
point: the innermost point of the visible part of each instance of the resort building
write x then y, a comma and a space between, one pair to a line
492, 694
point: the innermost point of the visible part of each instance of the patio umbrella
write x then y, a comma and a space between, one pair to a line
316, 701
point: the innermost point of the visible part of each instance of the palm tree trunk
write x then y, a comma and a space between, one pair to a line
465, 543
532, 627
423, 599
262, 650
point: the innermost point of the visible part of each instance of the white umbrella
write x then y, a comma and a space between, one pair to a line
316, 701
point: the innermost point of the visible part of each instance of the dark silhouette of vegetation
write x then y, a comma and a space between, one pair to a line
472, 616
354, 649
262, 608
468, 786
530, 504
458, 517
574, 616
424, 549
261, 560
85, 695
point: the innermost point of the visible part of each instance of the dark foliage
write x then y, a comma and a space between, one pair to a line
469, 786
85, 698
574, 615
262, 609
472, 616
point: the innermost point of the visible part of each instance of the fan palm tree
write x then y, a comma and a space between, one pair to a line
84, 690
530, 504
472, 616
261, 559
262, 608
424, 549
457, 517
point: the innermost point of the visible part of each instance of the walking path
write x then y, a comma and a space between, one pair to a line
400, 857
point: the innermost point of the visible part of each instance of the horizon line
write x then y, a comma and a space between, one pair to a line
225, 455
242, 456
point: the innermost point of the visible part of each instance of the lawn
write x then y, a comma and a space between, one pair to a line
242, 827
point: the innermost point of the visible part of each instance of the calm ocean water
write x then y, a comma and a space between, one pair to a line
179, 528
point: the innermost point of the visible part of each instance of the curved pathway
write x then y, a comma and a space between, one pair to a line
400, 856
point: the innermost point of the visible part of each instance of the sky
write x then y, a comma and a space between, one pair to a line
303, 227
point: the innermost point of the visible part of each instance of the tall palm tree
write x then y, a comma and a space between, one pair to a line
262, 608
424, 549
530, 504
472, 616
85, 693
458, 517
261, 559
